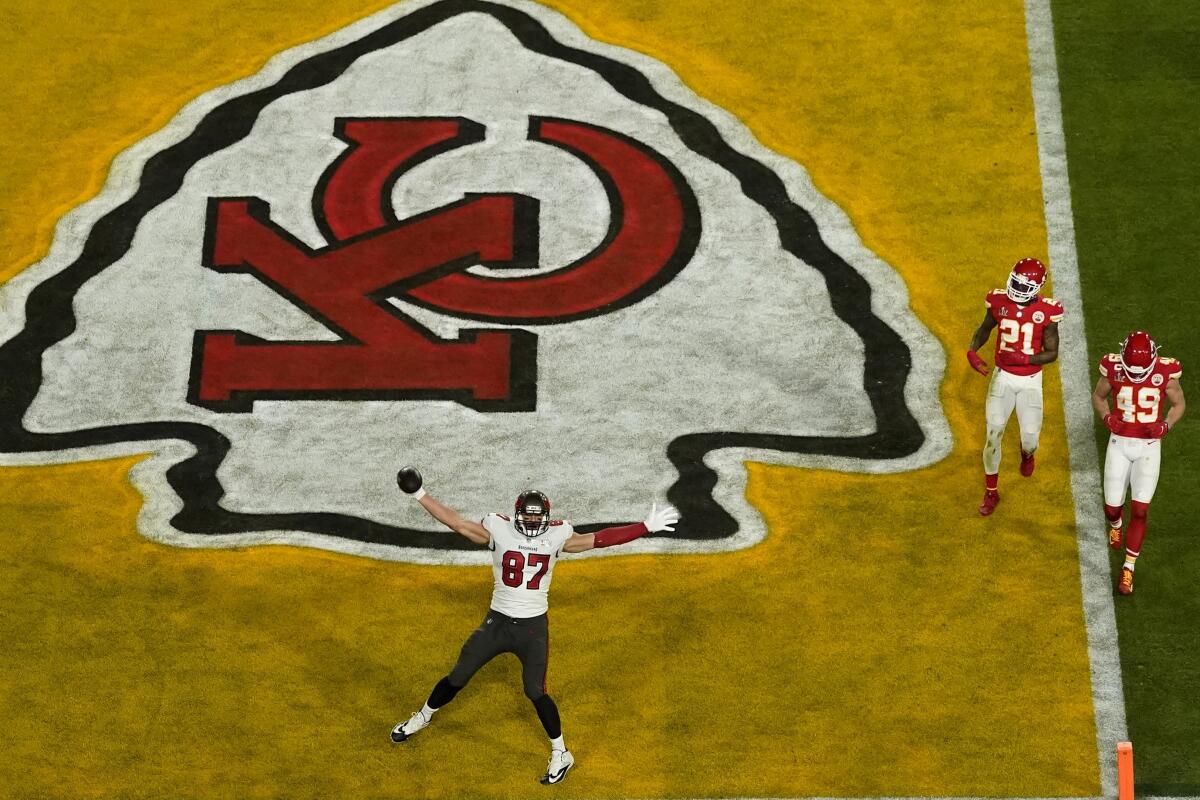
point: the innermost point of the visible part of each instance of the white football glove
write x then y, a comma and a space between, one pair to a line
663, 519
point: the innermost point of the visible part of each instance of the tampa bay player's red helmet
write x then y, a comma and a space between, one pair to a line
1025, 280
531, 513
1139, 354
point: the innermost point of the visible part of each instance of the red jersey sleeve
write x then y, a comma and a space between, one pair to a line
1107, 364
1172, 368
1056, 310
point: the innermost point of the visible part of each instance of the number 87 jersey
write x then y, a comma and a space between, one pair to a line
1139, 403
522, 566
1020, 327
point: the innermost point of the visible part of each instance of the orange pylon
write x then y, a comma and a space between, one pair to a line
1124, 771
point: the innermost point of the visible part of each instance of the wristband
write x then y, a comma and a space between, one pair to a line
419, 493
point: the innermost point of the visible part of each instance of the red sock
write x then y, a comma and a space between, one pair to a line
1113, 515
1137, 528
991, 482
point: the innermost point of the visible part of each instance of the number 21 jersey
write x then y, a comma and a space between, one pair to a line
522, 566
1020, 327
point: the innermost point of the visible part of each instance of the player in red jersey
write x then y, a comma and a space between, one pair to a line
1027, 340
1137, 378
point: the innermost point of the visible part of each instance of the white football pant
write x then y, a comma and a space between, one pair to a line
1134, 463
1006, 392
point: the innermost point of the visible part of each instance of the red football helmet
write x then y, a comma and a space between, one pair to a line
1025, 280
532, 513
1139, 354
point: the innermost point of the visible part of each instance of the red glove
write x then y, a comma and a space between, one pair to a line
1157, 429
977, 363
1113, 422
1012, 358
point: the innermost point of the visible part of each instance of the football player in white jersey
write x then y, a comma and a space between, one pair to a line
525, 547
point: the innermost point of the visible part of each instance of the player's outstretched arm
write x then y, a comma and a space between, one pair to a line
977, 341
657, 520
410, 482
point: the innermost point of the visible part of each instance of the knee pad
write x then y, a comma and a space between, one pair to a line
994, 421
1139, 511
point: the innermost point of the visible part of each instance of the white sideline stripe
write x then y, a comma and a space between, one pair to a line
1107, 693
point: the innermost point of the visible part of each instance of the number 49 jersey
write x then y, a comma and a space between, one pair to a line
1139, 404
522, 566
1020, 327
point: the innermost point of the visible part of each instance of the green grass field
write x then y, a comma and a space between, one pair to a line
1130, 75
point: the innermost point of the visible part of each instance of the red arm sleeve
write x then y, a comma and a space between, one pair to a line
626, 533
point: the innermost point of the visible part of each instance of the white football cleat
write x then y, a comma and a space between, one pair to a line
406, 729
560, 762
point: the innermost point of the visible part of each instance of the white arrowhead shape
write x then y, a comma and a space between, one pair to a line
740, 356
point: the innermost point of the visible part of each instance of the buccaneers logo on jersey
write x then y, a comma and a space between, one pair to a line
470, 237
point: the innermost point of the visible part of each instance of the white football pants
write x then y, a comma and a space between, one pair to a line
1006, 392
1134, 463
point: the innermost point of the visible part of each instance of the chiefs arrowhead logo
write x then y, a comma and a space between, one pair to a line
654, 227
465, 236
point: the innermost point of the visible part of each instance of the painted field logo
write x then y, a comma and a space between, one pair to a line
465, 236
653, 229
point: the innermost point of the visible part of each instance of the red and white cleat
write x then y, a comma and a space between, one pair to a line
1026, 463
990, 499
1115, 539
1126, 584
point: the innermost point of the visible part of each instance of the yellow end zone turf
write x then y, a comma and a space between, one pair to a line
883, 640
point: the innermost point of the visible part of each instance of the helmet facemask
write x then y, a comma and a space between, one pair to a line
532, 513
1025, 280
1139, 354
